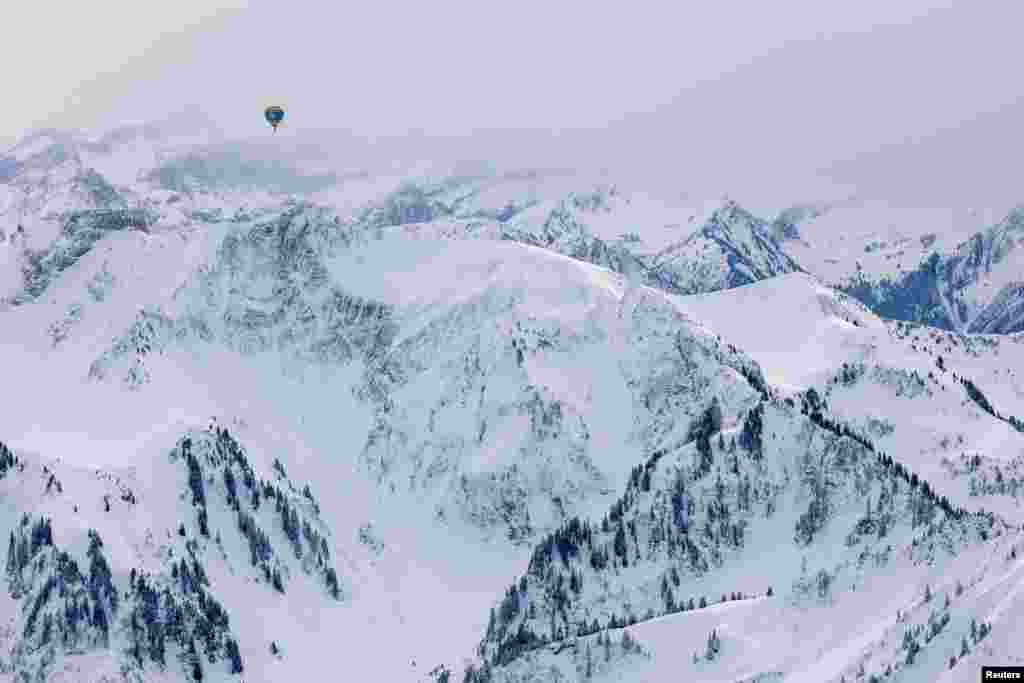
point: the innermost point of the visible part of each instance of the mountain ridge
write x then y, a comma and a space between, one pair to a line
488, 377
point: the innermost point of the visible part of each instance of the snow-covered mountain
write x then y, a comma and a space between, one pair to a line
934, 266
80, 529
693, 524
489, 425
679, 246
483, 377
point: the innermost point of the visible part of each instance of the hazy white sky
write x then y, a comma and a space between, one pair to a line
56, 51
392, 65
727, 88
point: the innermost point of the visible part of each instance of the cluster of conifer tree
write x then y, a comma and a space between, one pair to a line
555, 576
538, 608
241, 486
982, 402
76, 609
64, 606
185, 613
7, 459
926, 498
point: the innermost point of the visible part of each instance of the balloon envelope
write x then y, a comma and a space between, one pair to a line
274, 115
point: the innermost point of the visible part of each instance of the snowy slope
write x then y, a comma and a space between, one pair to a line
799, 330
138, 430
835, 240
67, 189
534, 411
900, 384
880, 384
952, 269
676, 245
488, 377
792, 496
244, 320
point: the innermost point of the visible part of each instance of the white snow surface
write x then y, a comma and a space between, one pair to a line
798, 329
609, 372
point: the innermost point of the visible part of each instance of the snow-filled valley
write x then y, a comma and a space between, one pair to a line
268, 424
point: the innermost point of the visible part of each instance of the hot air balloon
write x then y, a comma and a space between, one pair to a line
274, 115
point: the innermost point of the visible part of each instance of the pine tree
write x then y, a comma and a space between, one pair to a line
136, 648
204, 528
21, 555
195, 474
47, 629
912, 651
331, 579
276, 580
750, 433
619, 543
714, 645
627, 641
11, 556
231, 486
157, 644
199, 573
234, 657
192, 659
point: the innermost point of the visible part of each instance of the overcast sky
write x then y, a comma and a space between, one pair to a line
744, 92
